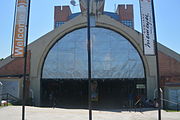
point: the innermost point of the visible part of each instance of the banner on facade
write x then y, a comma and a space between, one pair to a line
20, 28
147, 27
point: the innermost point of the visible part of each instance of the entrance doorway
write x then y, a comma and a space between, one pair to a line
106, 93
67, 93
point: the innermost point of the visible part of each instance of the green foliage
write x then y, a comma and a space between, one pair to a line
1, 59
172, 111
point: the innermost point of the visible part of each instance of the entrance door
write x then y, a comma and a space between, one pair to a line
69, 93
73, 93
116, 93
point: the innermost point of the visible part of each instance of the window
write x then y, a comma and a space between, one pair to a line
113, 56
57, 24
128, 23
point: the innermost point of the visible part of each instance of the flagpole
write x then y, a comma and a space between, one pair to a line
25, 63
157, 62
89, 60
13, 30
150, 44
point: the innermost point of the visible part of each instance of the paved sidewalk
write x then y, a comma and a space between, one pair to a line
35, 113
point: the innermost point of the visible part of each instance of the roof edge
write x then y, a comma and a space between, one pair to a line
168, 51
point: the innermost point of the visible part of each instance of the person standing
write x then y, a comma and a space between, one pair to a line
130, 100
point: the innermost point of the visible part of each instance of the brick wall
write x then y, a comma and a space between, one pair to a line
61, 13
125, 12
169, 69
16, 66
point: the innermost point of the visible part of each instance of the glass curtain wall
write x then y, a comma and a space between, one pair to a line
117, 71
113, 56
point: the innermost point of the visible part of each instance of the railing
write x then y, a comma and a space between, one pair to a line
176, 103
8, 98
138, 102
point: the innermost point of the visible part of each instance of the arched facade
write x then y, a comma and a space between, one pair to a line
134, 38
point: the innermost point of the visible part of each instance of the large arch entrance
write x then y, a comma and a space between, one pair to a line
117, 71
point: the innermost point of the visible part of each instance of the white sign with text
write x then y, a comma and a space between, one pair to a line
147, 27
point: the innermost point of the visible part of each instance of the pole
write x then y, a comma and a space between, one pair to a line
157, 63
89, 60
25, 62
7, 99
13, 29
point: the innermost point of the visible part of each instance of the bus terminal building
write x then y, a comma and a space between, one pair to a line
58, 64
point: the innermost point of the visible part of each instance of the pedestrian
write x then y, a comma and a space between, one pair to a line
130, 99
51, 98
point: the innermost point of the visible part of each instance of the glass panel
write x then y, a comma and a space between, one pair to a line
68, 57
113, 56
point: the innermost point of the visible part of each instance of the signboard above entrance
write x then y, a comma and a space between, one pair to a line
140, 86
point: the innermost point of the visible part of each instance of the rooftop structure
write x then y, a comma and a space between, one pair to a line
123, 14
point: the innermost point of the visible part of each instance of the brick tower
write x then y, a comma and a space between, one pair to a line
61, 15
126, 15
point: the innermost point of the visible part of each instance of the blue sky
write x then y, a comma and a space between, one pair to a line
42, 14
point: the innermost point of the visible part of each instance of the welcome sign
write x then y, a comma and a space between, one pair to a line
147, 27
20, 28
